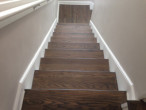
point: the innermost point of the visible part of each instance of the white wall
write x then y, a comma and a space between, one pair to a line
122, 24
19, 42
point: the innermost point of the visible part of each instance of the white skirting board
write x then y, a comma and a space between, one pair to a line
124, 82
27, 78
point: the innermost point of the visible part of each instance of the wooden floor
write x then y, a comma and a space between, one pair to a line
74, 14
137, 105
73, 74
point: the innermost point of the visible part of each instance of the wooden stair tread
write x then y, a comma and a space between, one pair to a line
75, 35
73, 99
52, 53
136, 105
74, 61
58, 45
74, 31
73, 28
76, 27
81, 24
74, 80
74, 64
74, 40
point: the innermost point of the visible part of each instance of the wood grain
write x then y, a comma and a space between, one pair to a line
74, 80
74, 46
136, 105
73, 100
55, 53
74, 64
74, 14
73, 40
75, 35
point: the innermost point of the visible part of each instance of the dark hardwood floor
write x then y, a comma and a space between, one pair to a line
74, 14
136, 105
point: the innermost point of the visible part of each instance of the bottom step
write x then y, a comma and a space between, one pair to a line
73, 100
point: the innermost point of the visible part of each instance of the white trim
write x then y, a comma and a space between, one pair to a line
58, 12
115, 65
91, 4
124, 106
27, 78
113, 56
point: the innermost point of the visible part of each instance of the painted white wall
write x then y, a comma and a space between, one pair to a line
122, 24
19, 42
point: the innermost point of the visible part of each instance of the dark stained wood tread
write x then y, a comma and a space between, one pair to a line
136, 105
74, 61
74, 80
52, 53
68, 35
76, 46
77, 27
74, 40
73, 100
81, 24
74, 14
74, 64
73, 31
75, 34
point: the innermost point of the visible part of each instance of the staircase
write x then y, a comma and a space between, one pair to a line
73, 74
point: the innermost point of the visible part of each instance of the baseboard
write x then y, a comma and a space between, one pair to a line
27, 78
124, 82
